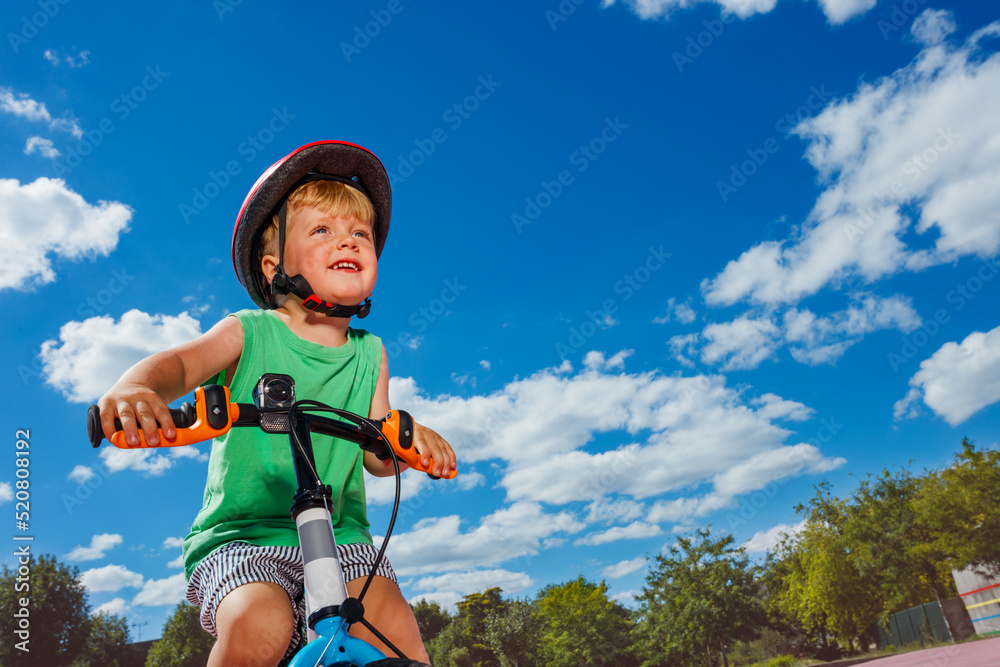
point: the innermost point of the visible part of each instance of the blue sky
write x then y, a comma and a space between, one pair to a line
653, 265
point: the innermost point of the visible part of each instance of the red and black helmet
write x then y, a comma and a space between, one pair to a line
333, 160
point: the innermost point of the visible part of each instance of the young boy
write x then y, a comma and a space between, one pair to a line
306, 247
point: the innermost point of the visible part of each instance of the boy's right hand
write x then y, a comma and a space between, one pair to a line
136, 407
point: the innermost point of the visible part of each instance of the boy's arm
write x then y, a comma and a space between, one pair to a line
426, 441
140, 397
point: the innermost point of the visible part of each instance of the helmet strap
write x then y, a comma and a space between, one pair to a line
282, 284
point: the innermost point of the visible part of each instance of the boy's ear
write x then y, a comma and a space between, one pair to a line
268, 265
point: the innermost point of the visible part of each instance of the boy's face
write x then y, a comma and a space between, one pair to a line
336, 254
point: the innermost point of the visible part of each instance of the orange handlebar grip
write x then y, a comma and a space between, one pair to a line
397, 426
214, 417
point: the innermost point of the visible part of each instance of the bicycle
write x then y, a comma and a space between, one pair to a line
329, 611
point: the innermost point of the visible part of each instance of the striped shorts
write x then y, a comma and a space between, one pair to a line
240, 563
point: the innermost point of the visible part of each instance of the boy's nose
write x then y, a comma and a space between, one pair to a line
348, 241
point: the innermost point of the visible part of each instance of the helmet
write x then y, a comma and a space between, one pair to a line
330, 160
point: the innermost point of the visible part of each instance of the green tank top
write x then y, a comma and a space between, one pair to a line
251, 479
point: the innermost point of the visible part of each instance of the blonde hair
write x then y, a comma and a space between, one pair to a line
330, 197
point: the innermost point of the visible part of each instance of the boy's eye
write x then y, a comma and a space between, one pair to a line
362, 233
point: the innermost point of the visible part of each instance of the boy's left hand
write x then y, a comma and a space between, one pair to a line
432, 446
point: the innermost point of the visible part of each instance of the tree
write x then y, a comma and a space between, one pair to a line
184, 643
431, 619
582, 626
812, 579
893, 544
464, 641
959, 509
108, 644
57, 611
698, 599
513, 634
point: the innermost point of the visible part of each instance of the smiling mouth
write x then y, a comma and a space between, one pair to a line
346, 264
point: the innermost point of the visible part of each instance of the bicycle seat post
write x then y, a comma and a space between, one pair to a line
325, 590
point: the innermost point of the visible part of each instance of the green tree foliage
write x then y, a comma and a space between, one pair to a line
812, 578
891, 542
108, 644
431, 619
58, 611
698, 599
464, 641
513, 634
582, 626
959, 509
184, 643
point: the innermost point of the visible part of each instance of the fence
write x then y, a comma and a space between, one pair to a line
982, 599
918, 624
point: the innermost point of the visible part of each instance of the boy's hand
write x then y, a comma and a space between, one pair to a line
430, 445
137, 407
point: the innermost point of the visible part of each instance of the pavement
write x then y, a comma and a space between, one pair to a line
984, 653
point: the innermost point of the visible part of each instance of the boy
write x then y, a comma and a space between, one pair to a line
305, 247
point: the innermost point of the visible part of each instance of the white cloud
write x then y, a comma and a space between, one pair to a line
110, 578
160, 592
23, 106
634, 531
149, 461
99, 544
765, 540
6, 492
485, 364
82, 474
438, 544
836, 11
173, 543
933, 26
741, 344
840, 11
749, 340
43, 147
77, 61
680, 312
561, 414
604, 510
625, 568
116, 607
474, 581
45, 219
916, 151
958, 380
91, 355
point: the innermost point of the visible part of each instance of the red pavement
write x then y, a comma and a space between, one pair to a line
972, 654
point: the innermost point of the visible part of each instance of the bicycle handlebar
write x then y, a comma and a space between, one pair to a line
213, 415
